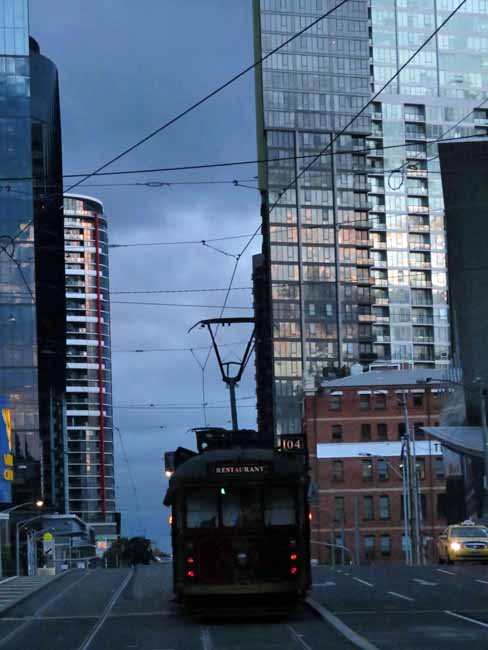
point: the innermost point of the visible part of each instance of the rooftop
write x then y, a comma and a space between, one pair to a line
387, 378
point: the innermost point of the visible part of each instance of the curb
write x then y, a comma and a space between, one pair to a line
352, 636
25, 596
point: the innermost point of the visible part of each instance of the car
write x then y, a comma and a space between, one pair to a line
461, 542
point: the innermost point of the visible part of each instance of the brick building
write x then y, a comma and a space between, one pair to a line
354, 427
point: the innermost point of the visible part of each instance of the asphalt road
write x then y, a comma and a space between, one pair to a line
431, 608
111, 609
417, 608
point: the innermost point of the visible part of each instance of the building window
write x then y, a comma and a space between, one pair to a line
385, 545
421, 468
417, 427
339, 512
369, 547
365, 431
365, 402
439, 467
382, 431
337, 432
418, 400
368, 508
337, 470
382, 469
442, 505
367, 470
401, 430
384, 507
335, 402
380, 401
423, 504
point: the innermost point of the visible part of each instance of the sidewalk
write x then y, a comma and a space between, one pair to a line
16, 588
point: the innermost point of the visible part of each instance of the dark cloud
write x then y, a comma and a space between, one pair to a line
125, 68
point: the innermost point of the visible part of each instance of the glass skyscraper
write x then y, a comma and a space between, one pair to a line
354, 251
32, 348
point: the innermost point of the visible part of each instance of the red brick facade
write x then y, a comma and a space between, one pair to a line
353, 435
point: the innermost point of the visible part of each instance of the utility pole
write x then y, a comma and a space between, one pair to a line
357, 551
413, 487
406, 502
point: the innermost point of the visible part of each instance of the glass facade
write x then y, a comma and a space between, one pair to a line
316, 239
438, 93
18, 319
355, 250
89, 376
32, 302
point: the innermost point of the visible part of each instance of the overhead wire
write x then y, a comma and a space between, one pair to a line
207, 97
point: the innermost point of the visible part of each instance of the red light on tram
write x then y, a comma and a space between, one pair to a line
310, 516
293, 557
190, 573
293, 570
190, 560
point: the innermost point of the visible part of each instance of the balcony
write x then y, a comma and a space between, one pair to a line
382, 338
366, 281
414, 117
364, 261
419, 246
378, 245
376, 225
424, 284
418, 209
381, 283
418, 227
422, 320
382, 302
423, 339
366, 318
382, 320
420, 265
380, 264
417, 173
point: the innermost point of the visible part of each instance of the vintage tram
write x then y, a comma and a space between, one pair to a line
240, 526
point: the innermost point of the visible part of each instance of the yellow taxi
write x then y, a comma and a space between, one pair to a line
465, 541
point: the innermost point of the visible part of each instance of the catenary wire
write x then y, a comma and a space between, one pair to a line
217, 90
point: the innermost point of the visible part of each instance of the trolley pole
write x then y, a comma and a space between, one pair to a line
233, 405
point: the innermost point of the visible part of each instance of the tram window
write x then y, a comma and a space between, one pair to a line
241, 507
279, 509
201, 509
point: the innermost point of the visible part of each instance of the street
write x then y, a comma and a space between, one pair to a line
374, 607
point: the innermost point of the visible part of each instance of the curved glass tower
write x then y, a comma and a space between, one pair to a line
89, 458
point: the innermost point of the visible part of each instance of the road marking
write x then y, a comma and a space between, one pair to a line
352, 636
299, 638
85, 645
466, 618
394, 593
206, 639
324, 584
483, 582
449, 573
363, 582
426, 583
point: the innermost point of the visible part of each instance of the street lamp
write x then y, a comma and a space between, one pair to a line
484, 427
38, 503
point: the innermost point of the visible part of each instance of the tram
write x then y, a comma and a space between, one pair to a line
240, 526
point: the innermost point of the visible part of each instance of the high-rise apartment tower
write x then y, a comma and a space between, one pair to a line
354, 249
90, 458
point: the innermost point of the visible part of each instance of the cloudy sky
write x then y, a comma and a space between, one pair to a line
125, 68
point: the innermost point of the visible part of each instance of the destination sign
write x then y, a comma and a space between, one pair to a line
240, 469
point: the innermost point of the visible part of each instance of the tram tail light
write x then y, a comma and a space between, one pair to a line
190, 560
293, 557
310, 516
190, 573
293, 570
